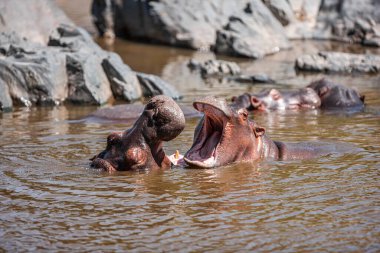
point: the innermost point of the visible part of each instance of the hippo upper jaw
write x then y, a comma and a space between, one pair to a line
207, 140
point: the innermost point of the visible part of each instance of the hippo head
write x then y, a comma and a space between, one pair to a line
265, 100
274, 99
243, 101
224, 135
141, 146
334, 95
165, 119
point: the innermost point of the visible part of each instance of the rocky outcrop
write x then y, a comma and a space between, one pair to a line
227, 70
153, 85
67, 66
282, 10
339, 62
241, 27
182, 23
32, 19
252, 79
254, 33
214, 67
303, 22
34, 77
349, 21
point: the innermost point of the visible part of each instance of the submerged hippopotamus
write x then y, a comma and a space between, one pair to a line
335, 96
319, 94
141, 146
130, 112
226, 135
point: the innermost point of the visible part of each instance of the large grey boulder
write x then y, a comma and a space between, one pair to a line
124, 82
339, 62
282, 10
254, 33
303, 24
153, 85
34, 77
32, 19
182, 23
87, 81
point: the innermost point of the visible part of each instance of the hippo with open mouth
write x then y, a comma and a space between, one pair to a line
226, 135
141, 146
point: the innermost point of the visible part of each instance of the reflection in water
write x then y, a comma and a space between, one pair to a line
51, 200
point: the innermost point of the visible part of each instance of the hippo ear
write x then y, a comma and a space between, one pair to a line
233, 99
258, 131
323, 91
255, 102
275, 94
362, 97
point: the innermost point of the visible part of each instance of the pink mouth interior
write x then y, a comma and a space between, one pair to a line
204, 152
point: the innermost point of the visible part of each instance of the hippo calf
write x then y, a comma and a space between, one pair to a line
225, 135
141, 146
319, 94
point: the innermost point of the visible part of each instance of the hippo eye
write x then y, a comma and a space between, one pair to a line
244, 113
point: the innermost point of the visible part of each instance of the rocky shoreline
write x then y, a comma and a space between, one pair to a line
61, 63
247, 28
45, 59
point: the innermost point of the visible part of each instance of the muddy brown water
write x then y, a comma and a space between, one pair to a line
51, 201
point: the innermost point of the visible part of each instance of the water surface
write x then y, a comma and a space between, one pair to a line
51, 201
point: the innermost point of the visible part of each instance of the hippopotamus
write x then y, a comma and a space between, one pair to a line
319, 94
335, 95
130, 112
140, 147
274, 99
225, 135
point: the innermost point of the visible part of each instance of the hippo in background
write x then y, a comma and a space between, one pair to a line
322, 94
226, 135
334, 96
141, 146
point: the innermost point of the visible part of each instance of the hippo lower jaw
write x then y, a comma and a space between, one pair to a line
204, 152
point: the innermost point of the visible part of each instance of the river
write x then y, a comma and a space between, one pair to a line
52, 201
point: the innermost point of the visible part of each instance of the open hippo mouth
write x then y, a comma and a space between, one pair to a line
209, 134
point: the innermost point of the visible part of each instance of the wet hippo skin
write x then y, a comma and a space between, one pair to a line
226, 135
322, 94
141, 146
335, 95
130, 112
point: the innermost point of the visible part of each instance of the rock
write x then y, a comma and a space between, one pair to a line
339, 62
282, 10
87, 81
153, 85
254, 33
33, 20
123, 80
257, 78
102, 13
349, 21
5, 99
214, 67
305, 13
129, 112
37, 77
182, 23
